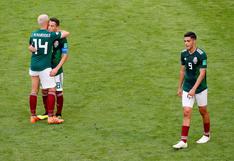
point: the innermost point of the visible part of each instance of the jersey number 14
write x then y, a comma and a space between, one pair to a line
38, 45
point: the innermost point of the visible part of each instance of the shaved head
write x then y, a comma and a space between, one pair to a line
43, 19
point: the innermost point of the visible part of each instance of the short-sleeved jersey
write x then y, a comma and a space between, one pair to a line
60, 47
42, 40
193, 63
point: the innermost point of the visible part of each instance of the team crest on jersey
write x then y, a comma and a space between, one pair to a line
56, 43
195, 60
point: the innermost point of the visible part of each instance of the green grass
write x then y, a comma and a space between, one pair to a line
120, 81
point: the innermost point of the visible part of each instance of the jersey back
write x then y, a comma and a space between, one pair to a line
42, 40
193, 63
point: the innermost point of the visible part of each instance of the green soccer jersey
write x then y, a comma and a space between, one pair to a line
42, 40
60, 47
193, 63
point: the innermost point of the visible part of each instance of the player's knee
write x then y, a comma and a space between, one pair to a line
187, 112
52, 90
44, 92
203, 111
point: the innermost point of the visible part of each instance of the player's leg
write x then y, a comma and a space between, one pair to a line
44, 93
48, 82
50, 106
202, 104
51, 102
33, 95
187, 113
59, 94
187, 103
206, 120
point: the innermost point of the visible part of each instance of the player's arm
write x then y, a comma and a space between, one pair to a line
32, 49
201, 76
64, 33
181, 80
62, 61
198, 82
59, 35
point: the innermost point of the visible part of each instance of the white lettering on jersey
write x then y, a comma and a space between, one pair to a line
200, 51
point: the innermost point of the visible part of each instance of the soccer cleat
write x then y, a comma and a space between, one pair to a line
59, 117
203, 139
180, 145
42, 117
34, 119
54, 120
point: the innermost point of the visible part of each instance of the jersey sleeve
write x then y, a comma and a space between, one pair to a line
65, 46
203, 63
56, 35
182, 59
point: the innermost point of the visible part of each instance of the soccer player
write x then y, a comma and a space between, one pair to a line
40, 68
192, 86
59, 57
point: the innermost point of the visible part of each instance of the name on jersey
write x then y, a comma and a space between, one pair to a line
41, 35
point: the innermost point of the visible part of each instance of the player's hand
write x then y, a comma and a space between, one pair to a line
191, 93
32, 49
53, 72
179, 92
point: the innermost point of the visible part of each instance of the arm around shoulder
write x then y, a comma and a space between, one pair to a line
64, 33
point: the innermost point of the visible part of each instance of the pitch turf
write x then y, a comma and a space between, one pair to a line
120, 81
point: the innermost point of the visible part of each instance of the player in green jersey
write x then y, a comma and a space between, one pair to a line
40, 68
59, 57
192, 87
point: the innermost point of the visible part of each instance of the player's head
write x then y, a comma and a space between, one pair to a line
43, 20
190, 40
53, 24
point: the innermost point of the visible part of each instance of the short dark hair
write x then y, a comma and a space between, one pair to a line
55, 20
191, 34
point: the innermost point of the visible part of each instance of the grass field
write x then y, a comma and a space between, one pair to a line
120, 81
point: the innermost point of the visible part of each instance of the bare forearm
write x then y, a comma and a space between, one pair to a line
199, 79
62, 61
64, 33
31, 48
181, 79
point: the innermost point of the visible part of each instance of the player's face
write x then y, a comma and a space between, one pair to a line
189, 43
52, 26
